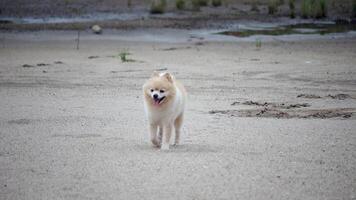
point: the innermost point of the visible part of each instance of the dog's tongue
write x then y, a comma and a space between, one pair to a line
156, 102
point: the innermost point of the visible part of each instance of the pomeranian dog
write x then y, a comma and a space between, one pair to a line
164, 101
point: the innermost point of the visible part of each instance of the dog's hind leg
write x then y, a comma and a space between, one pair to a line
177, 126
153, 131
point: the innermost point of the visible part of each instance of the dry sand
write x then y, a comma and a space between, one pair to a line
276, 122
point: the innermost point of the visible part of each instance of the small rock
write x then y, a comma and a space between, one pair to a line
96, 29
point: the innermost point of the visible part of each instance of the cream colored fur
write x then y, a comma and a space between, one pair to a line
166, 111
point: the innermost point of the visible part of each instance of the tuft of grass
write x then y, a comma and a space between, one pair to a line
158, 7
322, 9
203, 2
280, 2
180, 4
291, 8
67, 2
123, 56
306, 8
314, 8
195, 5
216, 3
254, 7
258, 43
272, 6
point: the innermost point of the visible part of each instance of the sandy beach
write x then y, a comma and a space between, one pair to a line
269, 122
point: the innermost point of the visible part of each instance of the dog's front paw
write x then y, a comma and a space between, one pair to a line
165, 147
156, 143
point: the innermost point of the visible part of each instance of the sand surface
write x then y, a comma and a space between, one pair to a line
276, 122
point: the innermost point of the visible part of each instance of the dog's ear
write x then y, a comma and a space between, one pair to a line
168, 76
155, 74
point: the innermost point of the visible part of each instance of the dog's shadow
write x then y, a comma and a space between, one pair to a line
183, 148
196, 148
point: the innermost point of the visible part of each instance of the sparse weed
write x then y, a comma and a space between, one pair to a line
158, 7
123, 56
216, 3
292, 8
195, 5
254, 7
258, 43
280, 2
314, 8
67, 2
203, 2
322, 9
180, 4
306, 8
272, 6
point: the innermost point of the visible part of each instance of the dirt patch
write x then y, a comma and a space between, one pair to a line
161, 69
175, 48
340, 96
309, 96
27, 66
285, 110
340, 113
19, 121
199, 43
273, 105
38, 65
43, 64
306, 28
336, 96
255, 59
126, 71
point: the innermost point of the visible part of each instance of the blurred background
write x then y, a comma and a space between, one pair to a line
179, 12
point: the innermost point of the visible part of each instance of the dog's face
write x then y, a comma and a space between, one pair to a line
159, 89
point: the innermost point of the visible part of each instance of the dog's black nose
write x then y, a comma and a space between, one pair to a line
155, 96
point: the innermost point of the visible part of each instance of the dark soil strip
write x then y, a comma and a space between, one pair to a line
338, 113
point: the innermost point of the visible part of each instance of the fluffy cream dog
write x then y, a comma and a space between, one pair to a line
164, 100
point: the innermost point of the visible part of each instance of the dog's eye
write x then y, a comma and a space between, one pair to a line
151, 90
161, 91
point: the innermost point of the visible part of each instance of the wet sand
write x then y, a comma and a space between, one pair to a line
269, 122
